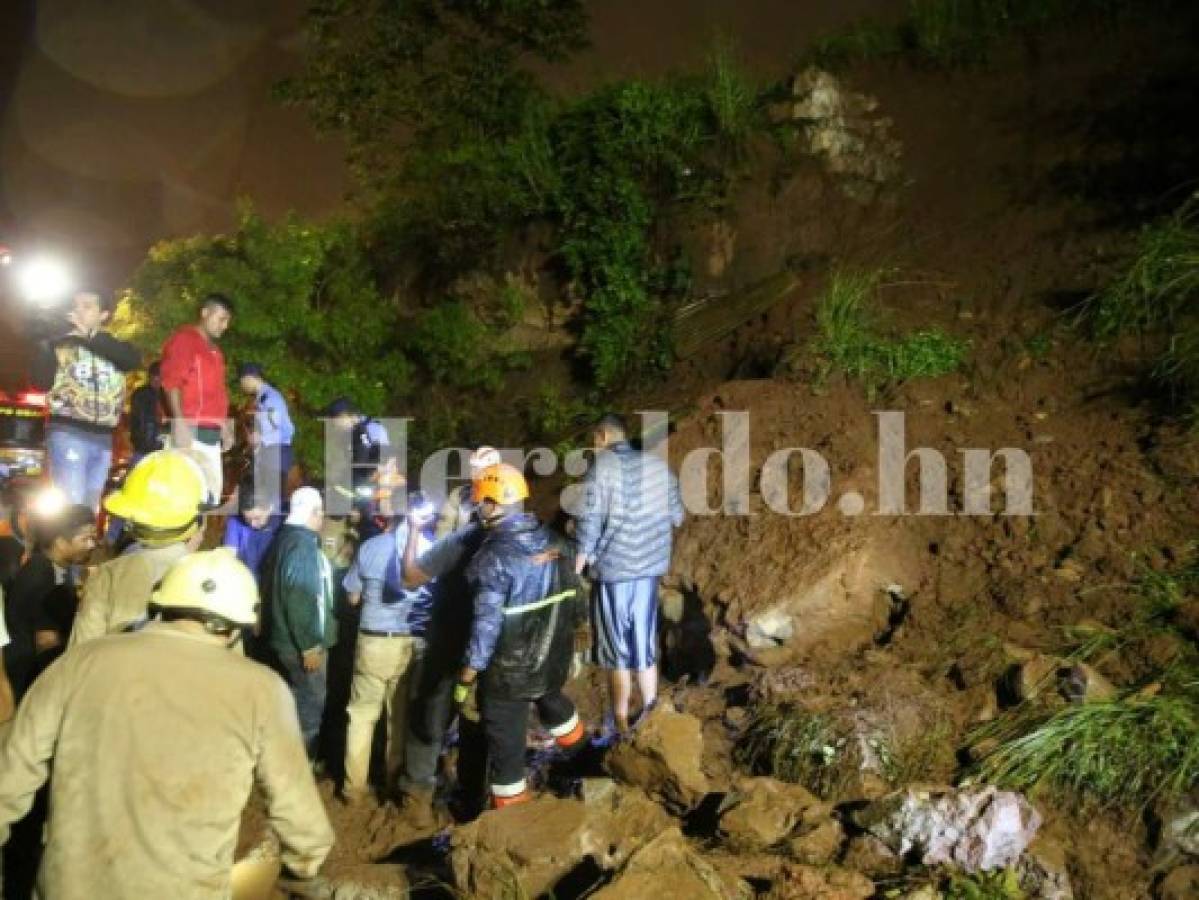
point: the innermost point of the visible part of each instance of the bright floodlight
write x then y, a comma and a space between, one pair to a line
43, 280
48, 502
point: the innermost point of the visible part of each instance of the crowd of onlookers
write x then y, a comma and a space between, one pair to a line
408, 611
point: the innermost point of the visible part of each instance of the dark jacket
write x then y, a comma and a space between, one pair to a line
252, 544
85, 378
295, 591
145, 419
526, 610
35, 602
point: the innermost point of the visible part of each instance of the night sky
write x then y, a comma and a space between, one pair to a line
127, 121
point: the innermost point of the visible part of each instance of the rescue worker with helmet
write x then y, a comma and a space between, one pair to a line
527, 605
160, 502
156, 740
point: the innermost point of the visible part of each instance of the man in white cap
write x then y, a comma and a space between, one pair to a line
298, 589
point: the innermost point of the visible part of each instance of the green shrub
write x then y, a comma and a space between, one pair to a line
1124, 753
955, 33
454, 347
1157, 289
308, 310
848, 338
800, 746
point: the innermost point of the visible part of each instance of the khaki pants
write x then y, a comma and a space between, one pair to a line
385, 670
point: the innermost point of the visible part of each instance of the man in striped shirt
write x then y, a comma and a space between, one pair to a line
630, 505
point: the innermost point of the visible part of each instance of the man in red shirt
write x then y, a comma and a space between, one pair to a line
193, 379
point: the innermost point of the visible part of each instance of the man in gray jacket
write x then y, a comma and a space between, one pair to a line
630, 505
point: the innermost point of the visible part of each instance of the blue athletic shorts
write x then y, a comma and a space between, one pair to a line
624, 616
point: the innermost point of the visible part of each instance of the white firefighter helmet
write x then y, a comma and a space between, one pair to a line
210, 581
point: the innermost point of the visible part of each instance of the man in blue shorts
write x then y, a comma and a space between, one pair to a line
630, 504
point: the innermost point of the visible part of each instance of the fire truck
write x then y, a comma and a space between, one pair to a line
22, 435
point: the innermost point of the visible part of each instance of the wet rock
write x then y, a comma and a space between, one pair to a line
844, 128
770, 629
867, 854
818, 845
975, 829
1181, 884
663, 759
1043, 675
530, 847
798, 882
371, 882
619, 822
1043, 872
1178, 839
527, 847
762, 811
668, 867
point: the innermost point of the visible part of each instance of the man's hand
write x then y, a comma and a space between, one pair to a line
226, 436
311, 659
580, 564
465, 685
182, 434
77, 330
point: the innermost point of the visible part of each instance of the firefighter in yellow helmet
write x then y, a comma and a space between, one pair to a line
527, 605
156, 740
160, 503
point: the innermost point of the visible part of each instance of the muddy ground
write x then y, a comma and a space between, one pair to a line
1020, 185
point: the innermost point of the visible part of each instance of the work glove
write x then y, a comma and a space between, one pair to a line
466, 701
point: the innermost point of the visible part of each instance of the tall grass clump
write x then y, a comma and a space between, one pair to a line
1125, 753
848, 339
803, 747
1155, 291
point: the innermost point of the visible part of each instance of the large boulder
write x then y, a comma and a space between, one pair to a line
845, 129
976, 829
668, 867
818, 845
532, 846
761, 812
663, 759
371, 882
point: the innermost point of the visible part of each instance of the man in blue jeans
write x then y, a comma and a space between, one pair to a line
84, 372
630, 506
298, 588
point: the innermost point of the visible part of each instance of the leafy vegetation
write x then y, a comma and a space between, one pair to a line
487, 155
308, 310
1124, 753
848, 340
797, 745
1154, 297
952, 884
953, 33
427, 73
1155, 290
